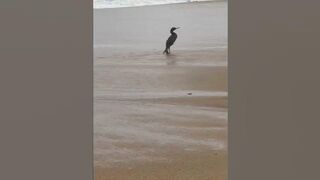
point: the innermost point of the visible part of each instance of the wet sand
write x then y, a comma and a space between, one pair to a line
159, 117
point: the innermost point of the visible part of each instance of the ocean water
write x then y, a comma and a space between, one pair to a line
99, 4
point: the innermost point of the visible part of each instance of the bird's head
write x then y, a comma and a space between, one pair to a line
174, 28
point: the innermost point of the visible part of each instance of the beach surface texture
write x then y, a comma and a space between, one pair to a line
157, 116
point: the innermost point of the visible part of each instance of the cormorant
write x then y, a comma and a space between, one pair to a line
171, 40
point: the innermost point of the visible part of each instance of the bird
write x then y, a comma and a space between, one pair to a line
171, 40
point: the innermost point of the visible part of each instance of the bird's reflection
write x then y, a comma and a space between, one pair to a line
171, 59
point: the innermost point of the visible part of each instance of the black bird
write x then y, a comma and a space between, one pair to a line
171, 40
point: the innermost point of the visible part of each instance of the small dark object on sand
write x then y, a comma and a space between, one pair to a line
189, 94
171, 40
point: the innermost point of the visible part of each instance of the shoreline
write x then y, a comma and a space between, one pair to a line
138, 6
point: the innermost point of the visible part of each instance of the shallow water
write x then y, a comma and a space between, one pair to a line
131, 131
147, 104
131, 124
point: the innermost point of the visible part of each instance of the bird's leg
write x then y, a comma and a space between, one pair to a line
169, 51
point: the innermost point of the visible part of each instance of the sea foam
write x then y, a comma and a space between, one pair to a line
99, 4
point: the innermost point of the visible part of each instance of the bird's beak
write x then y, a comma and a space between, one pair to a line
178, 27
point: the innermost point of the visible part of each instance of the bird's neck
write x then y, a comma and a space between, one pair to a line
172, 32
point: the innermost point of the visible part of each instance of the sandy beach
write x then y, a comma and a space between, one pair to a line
156, 116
